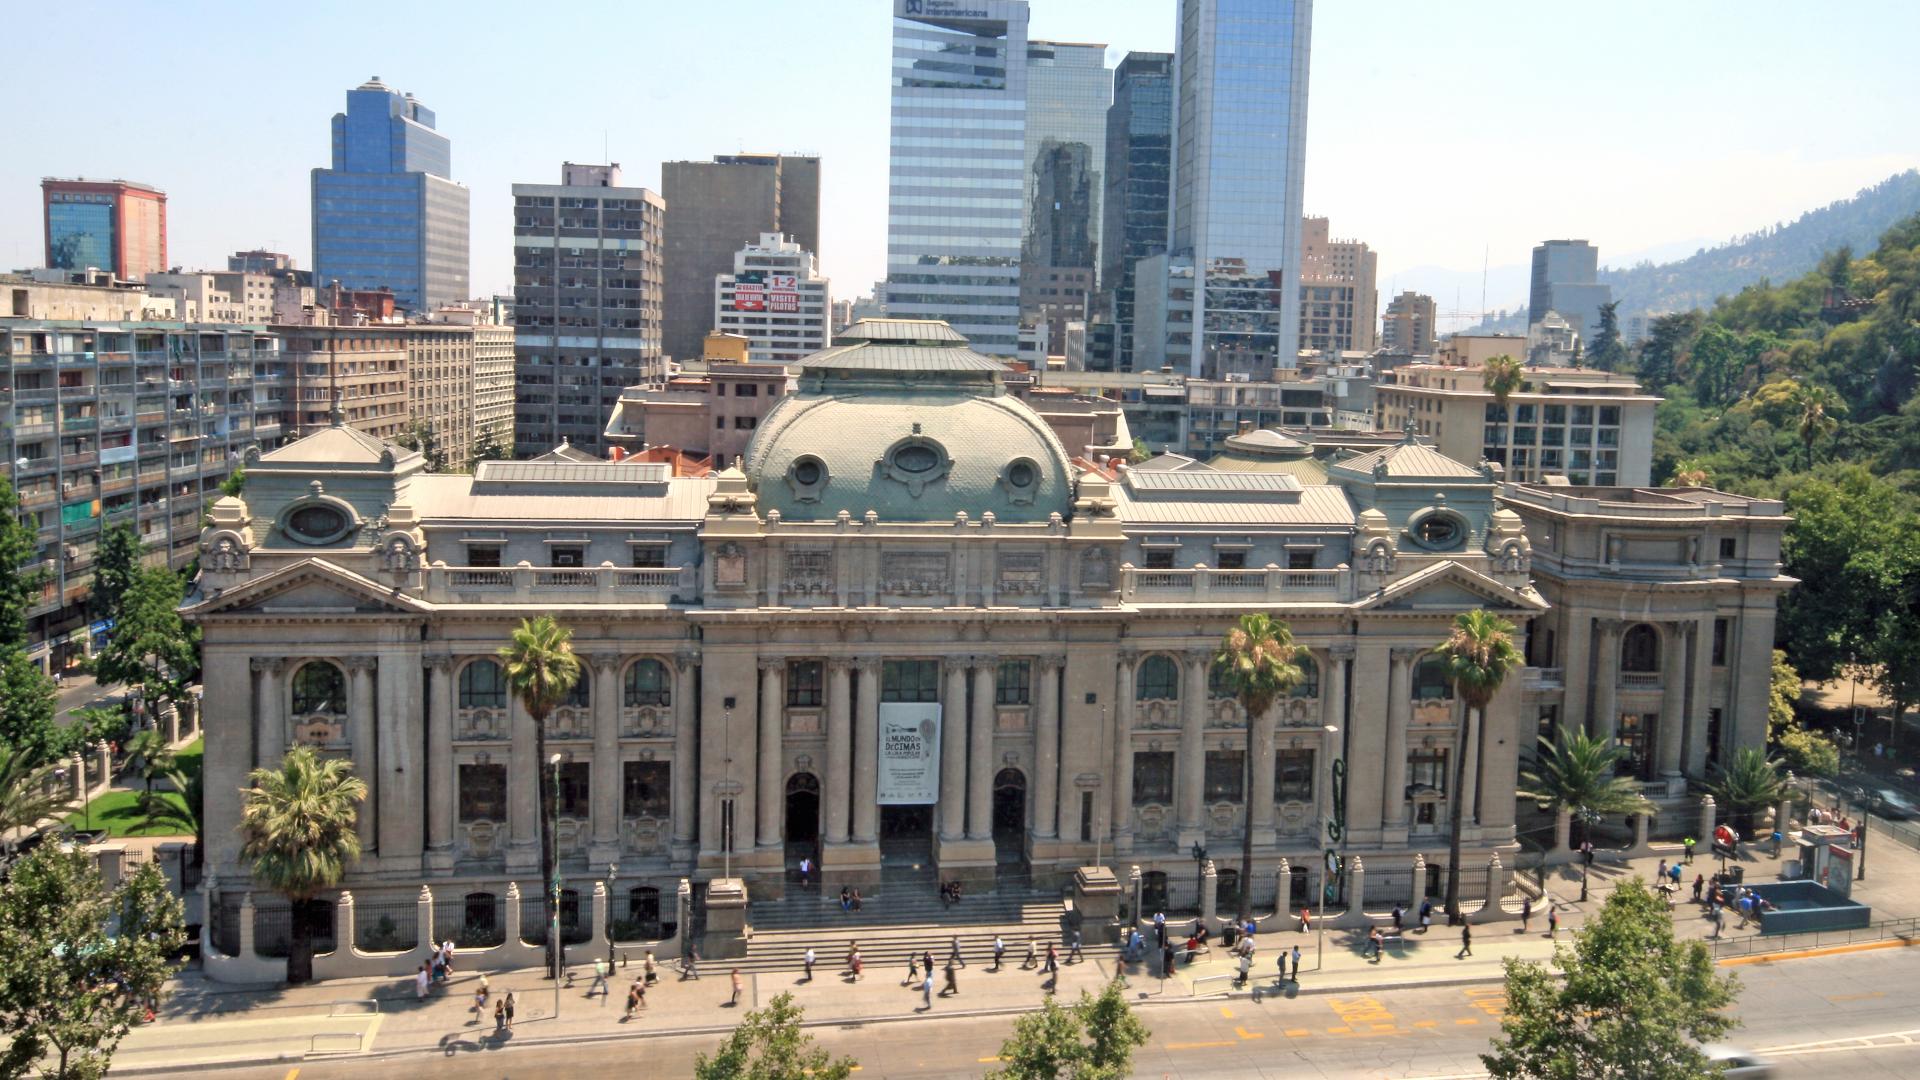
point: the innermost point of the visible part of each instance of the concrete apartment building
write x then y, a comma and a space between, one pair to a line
1594, 428
712, 412
1339, 301
719, 207
493, 405
387, 379
1407, 328
776, 299
1474, 350
588, 303
235, 296
114, 225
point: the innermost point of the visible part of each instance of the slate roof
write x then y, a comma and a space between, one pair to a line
900, 331
1411, 461
1211, 480
452, 497
336, 445
1317, 505
863, 356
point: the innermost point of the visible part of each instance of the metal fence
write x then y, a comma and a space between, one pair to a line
475, 921
224, 924
575, 916
273, 928
386, 926
1762, 944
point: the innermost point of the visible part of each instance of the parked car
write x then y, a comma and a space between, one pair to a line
1737, 1064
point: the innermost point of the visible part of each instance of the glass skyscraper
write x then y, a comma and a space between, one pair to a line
1139, 174
387, 214
958, 150
1068, 87
1240, 128
114, 225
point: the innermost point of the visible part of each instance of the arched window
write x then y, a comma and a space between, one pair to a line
647, 684
1309, 684
1430, 682
1640, 649
1159, 678
1217, 685
580, 697
319, 687
483, 685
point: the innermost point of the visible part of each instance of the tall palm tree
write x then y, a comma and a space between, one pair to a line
1255, 663
1502, 375
1749, 784
29, 791
541, 671
1819, 409
1479, 654
1574, 772
156, 757
182, 814
1690, 473
297, 826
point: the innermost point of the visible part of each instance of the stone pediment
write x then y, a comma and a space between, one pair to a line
1449, 586
312, 586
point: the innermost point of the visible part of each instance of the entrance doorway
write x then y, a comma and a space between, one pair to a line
1009, 816
803, 819
906, 836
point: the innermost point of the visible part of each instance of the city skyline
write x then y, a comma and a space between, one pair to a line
1665, 191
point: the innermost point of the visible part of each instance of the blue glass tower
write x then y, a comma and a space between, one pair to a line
1139, 167
387, 214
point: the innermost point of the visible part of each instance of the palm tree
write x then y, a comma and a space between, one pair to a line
156, 757
297, 825
1479, 654
1690, 473
541, 671
1255, 663
29, 791
1502, 375
1750, 783
181, 814
1574, 773
1819, 409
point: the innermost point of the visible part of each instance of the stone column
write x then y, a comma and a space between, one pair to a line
1706, 823
1122, 721
1699, 697
523, 794
773, 707
269, 722
1606, 680
1393, 786
1673, 698
685, 778
363, 728
606, 780
866, 750
442, 773
1366, 740
1333, 715
1575, 655
1470, 787
980, 750
1046, 750
839, 748
953, 750
1192, 756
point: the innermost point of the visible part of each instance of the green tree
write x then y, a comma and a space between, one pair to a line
1634, 1004
1690, 473
19, 586
150, 646
1607, 353
1668, 338
1809, 753
1782, 692
1502, 376
297, 828
420, 436
1094, 1039
29, 791
1573, 771
1140, 452
1849, 546
29, 704
1255, 665
1819, 409
1750, 784
1479, 654
1837, 267
114, 566
79, 964
770, 1044
541, 671
181, 814
235, 483
487, 448
156, 758
1714, 363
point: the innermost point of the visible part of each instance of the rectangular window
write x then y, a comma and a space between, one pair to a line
804, 689
1427, 769
649, 556
1159, 559
746, 390
1013, 683
1226, 776
1300, 560
566, 555
1153, 778
1720, 628
720, 422
483, 555
483, 793
646, 789
745, 423
1232, 560
574, 777
1293, 776
910, 680
1547, 726
1728, 546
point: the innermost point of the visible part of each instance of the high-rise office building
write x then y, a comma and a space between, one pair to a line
1339, 302
957, 177
1139, 168
588, 286
1068, 89
1240, 134
776, 299
388, 214
719, 207
113, 225
1407, 327
1566, 279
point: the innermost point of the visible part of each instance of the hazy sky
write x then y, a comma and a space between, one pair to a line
1441, 133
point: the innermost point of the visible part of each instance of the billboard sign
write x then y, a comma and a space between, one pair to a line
783, 292
750, 292
909, 756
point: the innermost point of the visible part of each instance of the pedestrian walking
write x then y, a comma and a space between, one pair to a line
1052, 966
634, 993
1661, 873
1374, 943
1246, 969
1075, 956
926, 992
1306, 918
809, 962
1160, 928
1466, 940
1687, 844
500, 1015
926, 961
480, 995
1397, 916
913, 970
1699, 883
1553, 922
737, 985
853, 960
806, 869
601, 969
647, 970
433, 967
953, 954
420, 978
1673, 872
510, 1004
1526, 912
1166, 961
953, 982
1426, 915
999, 951
1027, 964
446, 956
1296, 963
690, 965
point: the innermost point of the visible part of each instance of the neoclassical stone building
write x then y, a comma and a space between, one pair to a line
910, 629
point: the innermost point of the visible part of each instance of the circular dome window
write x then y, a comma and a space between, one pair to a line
1437, 530
916, 459
1021, 475
1021, 479
808, 472
807, 476
318, 523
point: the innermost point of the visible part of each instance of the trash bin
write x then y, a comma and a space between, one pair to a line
1737, 873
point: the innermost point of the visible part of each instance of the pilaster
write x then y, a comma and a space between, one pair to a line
1193, 756
772, 708
442, 775
605, 785
364, 728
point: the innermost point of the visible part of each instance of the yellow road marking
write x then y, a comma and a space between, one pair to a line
1295, 1033
1468, 1020
1199, 1045
1245, 1034
1856, 997
1226, 1012
1340, 1031
293, 1073
1808, 954
1383, 1027
984, 1061
1426, 1023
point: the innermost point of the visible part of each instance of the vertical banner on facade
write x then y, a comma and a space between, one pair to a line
909, 754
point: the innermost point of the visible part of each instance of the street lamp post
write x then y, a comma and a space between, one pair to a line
1587, 819
1112, 823
613, 878
553, 887
1868, 799
1199, 875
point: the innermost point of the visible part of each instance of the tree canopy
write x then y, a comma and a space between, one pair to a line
770, 1044
1093, 1039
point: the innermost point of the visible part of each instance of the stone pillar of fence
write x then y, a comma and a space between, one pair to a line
1783, 817
1706, 822
424, 915
172, 720
513, 913
1417, 889
102, 773
682, 932
112, 862
79, 771
344, 943
1355, 916
1137, 884
246, 925
602, 933
1640, 846
1283, 889
1498, 879
1209, 894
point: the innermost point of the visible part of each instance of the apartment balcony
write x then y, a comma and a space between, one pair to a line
149, 416
37, 396
40, 499
1640, 680
116, 485
114, 356
551, 585
74, 424
1230, 586
31, 431
1549, 678
79, 461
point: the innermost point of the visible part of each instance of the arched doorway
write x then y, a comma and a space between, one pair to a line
1009, 816
803, 819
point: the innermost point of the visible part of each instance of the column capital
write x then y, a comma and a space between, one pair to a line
1609, 626
1126, 656
273, 665
1407, 652
770, 663
840, 663
686, 656
361, 662
1341, 650
866, 664
951, 664
986, 660
1198, 654
437, 663
1050, 659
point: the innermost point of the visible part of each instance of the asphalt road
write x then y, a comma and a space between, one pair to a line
1855, 1015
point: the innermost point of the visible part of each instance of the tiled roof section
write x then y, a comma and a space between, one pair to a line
898, 331
1409, 460
1212, 481
337, 445
1318, 505
565, 452
463, 498
862, 356
1307, 470
590, 471
1167, 463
